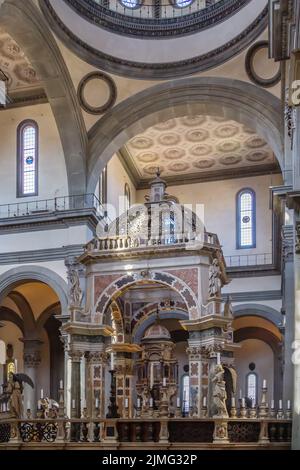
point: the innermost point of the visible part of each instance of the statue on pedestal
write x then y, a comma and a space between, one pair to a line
14, 391
219, 393
214, 283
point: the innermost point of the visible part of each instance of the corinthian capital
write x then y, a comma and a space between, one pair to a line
32, 358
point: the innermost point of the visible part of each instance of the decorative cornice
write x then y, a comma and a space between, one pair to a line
139, 26
50, 221
218, 175
154, 71
254, 296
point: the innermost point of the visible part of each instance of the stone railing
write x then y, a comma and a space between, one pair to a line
158, 432
119, 243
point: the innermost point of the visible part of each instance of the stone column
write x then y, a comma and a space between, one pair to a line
288, 283
95, 382
75, 356
32, 360
296, 344
124, 384
199, 374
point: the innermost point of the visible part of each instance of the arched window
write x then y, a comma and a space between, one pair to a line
27, 159
185, 394
131, 3
127, 197
183, 3
103, 186
246, 223
251, 387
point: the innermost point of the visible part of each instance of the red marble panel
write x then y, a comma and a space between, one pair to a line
101, 283
189, 276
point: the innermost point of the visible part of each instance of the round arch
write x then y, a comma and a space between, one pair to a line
232, 99
21, 274
149, 320
28, 27
6, 314
257, 310
116, 288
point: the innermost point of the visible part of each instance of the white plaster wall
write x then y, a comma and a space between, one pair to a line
56, 266
257, 351
44, 239
52, 169
116, 180
219, 201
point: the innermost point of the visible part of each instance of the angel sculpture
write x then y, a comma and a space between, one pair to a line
14, 391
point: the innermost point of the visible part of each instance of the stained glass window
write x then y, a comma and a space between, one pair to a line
183, 3
130, 3
246, 219
27, 158
186, 394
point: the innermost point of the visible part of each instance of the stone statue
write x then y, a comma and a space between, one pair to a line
219, 392
214, 285
15, 389
228, 312
194, 401
75, 291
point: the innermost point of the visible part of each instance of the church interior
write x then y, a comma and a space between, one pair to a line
149, 224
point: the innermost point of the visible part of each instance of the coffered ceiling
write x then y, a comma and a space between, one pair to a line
197, 146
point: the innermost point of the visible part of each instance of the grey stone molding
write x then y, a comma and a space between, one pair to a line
48, 254
252, 74
97, 110
253, 271
233, 99
50, 221
27, 26
18, 99
153, 71
254, 296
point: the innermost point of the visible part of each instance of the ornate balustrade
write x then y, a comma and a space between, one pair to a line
127, 243
161, 433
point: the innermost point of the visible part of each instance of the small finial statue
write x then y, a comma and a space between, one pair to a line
75, 289
214, 284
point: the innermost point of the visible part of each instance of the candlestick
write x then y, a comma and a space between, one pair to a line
204, 402
73, 404
264, 383
289, 404
42, 394
164, 382
178, 402
233, 402
126, 403
241, 394
151, 402
61, 384
218, 358
243, 402
272, 404
28, 405
138, 402
280, 404
97, 403
112, 361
